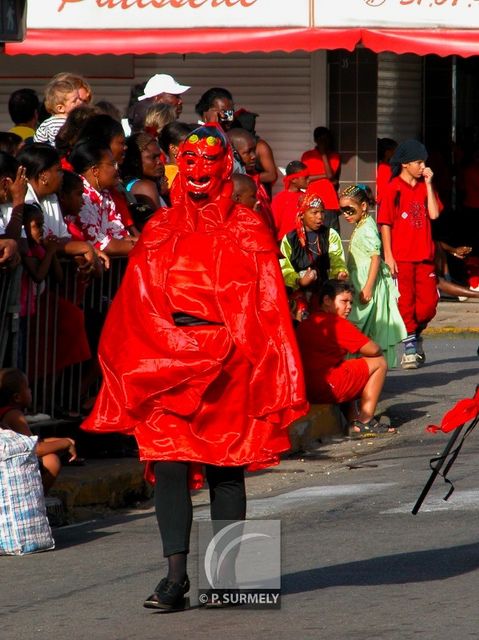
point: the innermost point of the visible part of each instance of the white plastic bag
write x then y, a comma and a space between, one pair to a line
24, 526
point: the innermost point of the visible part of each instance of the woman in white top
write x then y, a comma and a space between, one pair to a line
44, 174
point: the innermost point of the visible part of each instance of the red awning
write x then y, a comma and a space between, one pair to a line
463, 42
83, 41
443, 42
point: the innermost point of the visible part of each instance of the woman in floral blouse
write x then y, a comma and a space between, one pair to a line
98, 221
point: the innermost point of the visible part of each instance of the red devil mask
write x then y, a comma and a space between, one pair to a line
205, 162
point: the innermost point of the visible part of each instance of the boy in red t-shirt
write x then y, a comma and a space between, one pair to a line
408, 205
324, 339
285, 204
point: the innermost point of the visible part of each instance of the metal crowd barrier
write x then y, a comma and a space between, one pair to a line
9, 315
47, 330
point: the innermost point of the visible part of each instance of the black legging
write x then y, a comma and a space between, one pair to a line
174, 510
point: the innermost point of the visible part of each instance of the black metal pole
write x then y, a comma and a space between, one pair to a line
437, 468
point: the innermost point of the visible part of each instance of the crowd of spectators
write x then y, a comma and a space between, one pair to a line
79, 181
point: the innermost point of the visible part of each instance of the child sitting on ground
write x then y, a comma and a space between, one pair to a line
324, 339
61, 97
15, 397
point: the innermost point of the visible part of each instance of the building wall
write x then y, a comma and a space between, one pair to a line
352, 116
400, 112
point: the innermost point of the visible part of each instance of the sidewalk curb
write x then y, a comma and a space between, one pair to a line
121, 484
430, 331
112, 484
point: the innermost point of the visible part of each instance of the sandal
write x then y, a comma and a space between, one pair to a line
371, 429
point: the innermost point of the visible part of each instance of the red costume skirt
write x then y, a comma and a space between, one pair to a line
219, 431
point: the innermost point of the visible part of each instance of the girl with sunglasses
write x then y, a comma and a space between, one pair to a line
375, 311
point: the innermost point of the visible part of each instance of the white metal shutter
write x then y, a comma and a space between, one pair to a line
276, 86
400, 87
287, 90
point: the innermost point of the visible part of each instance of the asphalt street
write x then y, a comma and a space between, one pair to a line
356, 564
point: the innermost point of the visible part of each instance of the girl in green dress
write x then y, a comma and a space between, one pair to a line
375, 311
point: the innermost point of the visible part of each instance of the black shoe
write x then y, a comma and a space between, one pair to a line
168, 595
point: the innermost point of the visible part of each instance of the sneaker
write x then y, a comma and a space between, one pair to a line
420, 355
409, 361
168, 595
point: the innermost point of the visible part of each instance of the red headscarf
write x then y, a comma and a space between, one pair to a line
308, 201
292, 176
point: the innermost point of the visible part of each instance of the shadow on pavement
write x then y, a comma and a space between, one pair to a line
84, 532
401, 568
418, 379
472, 358
404, 412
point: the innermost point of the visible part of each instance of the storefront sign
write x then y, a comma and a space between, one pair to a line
185, 14
166, 14
404, 14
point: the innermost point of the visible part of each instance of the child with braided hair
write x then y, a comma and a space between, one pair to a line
375, 311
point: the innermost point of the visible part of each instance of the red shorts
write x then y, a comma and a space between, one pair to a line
341, 384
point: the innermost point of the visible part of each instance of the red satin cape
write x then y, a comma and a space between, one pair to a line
219, 394
463, 411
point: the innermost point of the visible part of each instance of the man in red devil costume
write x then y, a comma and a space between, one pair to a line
198, 354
